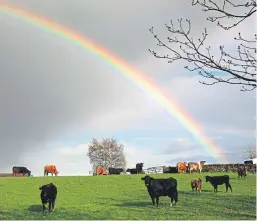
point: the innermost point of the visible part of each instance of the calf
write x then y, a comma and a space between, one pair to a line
241, 172
161, 187
48, 195
197, 185
219, 180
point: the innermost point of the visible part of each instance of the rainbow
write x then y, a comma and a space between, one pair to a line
131, 73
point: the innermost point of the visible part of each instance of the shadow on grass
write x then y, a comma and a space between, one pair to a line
207, 191
58, 213
35, 208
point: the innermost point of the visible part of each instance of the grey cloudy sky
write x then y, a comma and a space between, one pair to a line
52, 91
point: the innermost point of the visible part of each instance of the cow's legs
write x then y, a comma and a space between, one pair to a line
44, 207
175, 196
228, 185
153, 200
157, 201
49, 206
53, 203
215, 188
171, 200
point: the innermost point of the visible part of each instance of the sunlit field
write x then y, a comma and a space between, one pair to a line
126, 197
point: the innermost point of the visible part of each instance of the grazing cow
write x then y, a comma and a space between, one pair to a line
197, 185
219, 180
139, 167
115, 170
101, 171
182, 167
132, 171
50, 169
193, 166
241, 172
23, 170
161, 187
48, 195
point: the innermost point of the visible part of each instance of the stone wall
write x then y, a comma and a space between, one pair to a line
228, 167
251, 168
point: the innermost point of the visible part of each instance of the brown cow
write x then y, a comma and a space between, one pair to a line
197, 185
182, 167
101, 171
50, 169
193, 166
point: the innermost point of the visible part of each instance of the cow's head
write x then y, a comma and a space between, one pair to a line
207, 178
43, 191
42, 187
202, 162
147, 180
56, 172
45, 186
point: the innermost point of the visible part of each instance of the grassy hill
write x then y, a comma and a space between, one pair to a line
126, 197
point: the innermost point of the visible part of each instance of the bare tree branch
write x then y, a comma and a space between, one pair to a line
249, 152
236, 69
209, 5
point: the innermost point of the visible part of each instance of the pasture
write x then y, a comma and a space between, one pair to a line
126, 197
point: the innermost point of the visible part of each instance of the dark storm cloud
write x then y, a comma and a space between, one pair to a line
121, 26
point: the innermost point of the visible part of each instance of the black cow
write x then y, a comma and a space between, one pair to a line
23, 170
115, 170
161, 187
241, 172
132, 171
219, 180
170, 170
139, 167
48, 195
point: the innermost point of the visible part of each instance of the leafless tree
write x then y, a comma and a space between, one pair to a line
250, 152
106, 153
238, 68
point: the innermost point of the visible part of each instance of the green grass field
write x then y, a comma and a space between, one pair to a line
126, 197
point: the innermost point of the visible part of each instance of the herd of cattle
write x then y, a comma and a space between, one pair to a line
156, 187
168, 187
181, 167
